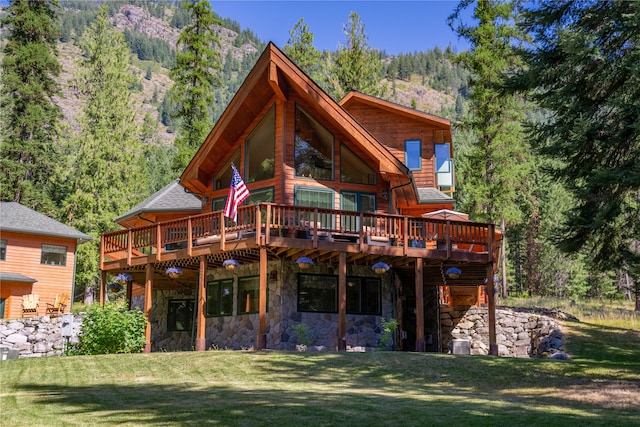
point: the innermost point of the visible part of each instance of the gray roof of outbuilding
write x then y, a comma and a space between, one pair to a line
428, 195
172, 198
19, 218
15, 277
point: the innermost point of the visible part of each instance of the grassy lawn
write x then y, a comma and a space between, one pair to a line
600, 386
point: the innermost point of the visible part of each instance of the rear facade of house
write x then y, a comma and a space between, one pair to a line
336, 188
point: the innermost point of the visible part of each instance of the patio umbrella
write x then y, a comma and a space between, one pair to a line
447, 214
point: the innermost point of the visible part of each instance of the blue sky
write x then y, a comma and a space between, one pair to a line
393, 26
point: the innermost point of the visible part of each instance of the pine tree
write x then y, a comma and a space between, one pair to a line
196, 74
301, 51
29, 114
583, 69
357, 67
107, 177
496, 169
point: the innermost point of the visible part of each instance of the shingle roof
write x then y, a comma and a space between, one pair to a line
428, 195
15, 217
15, 277
171, 198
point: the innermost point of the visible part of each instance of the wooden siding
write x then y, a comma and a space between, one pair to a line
23, 257
392, 130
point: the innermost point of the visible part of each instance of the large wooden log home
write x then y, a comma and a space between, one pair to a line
336, 188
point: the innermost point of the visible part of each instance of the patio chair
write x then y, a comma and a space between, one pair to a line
30, 304
59, 305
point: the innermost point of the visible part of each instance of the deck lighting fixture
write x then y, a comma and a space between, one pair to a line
114, 287
123, 278
174, 272
304, 262
230, 264
380, 267
453, 272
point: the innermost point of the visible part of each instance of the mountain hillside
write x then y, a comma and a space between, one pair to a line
145, 25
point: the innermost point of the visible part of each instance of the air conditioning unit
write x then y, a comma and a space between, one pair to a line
460, 346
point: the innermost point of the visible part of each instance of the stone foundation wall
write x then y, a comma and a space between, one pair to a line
518, 333
38, 336
238, 332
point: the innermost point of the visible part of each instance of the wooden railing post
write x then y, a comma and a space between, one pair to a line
158, 243
405, 235
129, 248
189, 237
102, 243
258, 224
267, 225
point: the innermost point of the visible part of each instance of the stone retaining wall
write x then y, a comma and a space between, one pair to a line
38, 336
519, 332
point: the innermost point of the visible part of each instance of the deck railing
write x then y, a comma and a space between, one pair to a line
265, 221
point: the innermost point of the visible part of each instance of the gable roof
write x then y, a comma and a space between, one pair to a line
172, 198
19, 218
274, 75
353, 98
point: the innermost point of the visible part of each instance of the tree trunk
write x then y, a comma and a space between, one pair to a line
503, 260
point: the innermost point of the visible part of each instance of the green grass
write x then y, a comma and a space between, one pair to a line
600, 386
613, 313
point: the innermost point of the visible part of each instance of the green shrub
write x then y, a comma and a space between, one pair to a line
303, 335
112, 329
388, 330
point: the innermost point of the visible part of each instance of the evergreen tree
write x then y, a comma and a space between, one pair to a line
583, 69
195, 74
107, 178
301, 51
496, 169
28, 129
357, 67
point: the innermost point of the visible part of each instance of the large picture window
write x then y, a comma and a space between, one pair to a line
220, 298
260, 154
223, 178
363, 295
317, 293
54, 255
248, 295
353, 169
313, 148
180, 315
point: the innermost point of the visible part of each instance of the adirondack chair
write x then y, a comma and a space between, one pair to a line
30, 304
59, 304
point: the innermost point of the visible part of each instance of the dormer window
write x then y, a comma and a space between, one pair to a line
313, 148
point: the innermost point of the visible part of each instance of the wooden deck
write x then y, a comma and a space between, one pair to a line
292, 231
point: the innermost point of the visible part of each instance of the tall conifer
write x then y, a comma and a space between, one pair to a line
29, 115
498, 163
357, 66
583, 69
196, 74
107, 178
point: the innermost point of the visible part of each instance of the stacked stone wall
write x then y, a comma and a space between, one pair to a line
519, 333
38, 336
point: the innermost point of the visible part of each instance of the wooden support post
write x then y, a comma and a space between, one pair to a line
103, 287
342, 302
420, 345
148, 283
262, 310
201, 341
129, 293
493, 345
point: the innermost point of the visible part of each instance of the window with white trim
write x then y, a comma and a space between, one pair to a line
53, 255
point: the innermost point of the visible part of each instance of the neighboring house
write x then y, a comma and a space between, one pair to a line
336, 189
37, 256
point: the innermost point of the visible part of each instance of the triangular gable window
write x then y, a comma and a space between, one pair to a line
353, 169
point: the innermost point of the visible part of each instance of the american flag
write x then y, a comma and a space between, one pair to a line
238, 193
